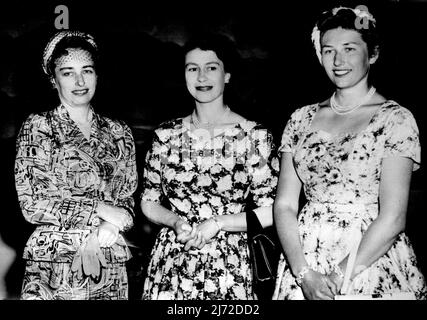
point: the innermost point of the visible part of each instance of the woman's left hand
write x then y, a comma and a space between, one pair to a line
209, 229
108, 234
337, 279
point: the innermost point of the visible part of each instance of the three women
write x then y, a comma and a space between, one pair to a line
353, 153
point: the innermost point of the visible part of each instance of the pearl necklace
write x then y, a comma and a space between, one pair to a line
338, 109
209, 125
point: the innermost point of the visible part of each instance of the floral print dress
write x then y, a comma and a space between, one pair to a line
341, 178
60, 178
200, 176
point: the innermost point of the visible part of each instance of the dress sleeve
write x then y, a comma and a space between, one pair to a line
40, 199
402, 136
290, 134
265, 168
130, 177
151, 183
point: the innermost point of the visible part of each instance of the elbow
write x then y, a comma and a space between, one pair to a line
147, 209
282, 210
393, 226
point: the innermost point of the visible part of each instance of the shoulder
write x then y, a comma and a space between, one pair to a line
393, 112
256, 132
250, 126
38, 121
115, 126
303, 112
169, 129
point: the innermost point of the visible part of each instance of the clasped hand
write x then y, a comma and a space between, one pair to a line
196, 236
317, 286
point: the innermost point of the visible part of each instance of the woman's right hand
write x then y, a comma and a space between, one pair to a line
115, 215
183, 230
188, 235
317, 286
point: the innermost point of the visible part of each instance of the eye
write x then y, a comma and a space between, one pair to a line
88, 71
67, 74
212, 68
191, 69
326, 51
349, 49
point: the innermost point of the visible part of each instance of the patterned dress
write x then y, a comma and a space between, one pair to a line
60, 178
341, 178
200, 178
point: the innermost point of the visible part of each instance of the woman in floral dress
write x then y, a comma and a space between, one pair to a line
198, 175
354, 155
75, 176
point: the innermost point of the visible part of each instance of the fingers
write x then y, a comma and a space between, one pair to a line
185, 236
101, 258
317, 286
331, 285
197, 242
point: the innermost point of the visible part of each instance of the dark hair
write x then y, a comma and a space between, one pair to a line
223, 47
71, 42
346, 18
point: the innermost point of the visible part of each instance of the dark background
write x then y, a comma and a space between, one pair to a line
141, 80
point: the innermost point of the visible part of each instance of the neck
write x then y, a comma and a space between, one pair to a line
210, 112
80, 114
347, 96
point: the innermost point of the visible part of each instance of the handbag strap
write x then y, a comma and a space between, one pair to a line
253, 225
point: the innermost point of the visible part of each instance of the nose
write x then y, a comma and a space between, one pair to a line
80, 80
338, 59
201, 75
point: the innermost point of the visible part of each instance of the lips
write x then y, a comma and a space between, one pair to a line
203, 88
81, 92
342, 72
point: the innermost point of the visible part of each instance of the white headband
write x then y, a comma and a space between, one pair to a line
50, 47
315, 35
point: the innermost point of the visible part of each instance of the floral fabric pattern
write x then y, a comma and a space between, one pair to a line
61, 177
200, 177
341, 178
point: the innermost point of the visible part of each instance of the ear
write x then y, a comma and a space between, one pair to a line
374, 55
53, 82
227, 78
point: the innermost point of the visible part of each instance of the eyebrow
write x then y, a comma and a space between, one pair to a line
71, 68
211, 62
346, 43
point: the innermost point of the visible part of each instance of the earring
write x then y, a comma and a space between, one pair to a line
52, 83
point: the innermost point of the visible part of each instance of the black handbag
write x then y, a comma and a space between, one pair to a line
264, 255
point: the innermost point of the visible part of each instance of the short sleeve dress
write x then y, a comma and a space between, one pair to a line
200, 178
341, 178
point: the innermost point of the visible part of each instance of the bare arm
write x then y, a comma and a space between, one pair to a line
158, 214
393, 197
286, 211
315, 285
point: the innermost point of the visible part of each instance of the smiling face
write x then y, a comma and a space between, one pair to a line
345, 57
75, 78
205, 75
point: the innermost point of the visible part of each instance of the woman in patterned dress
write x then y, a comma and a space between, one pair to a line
354, 155
198, 175
75, 175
